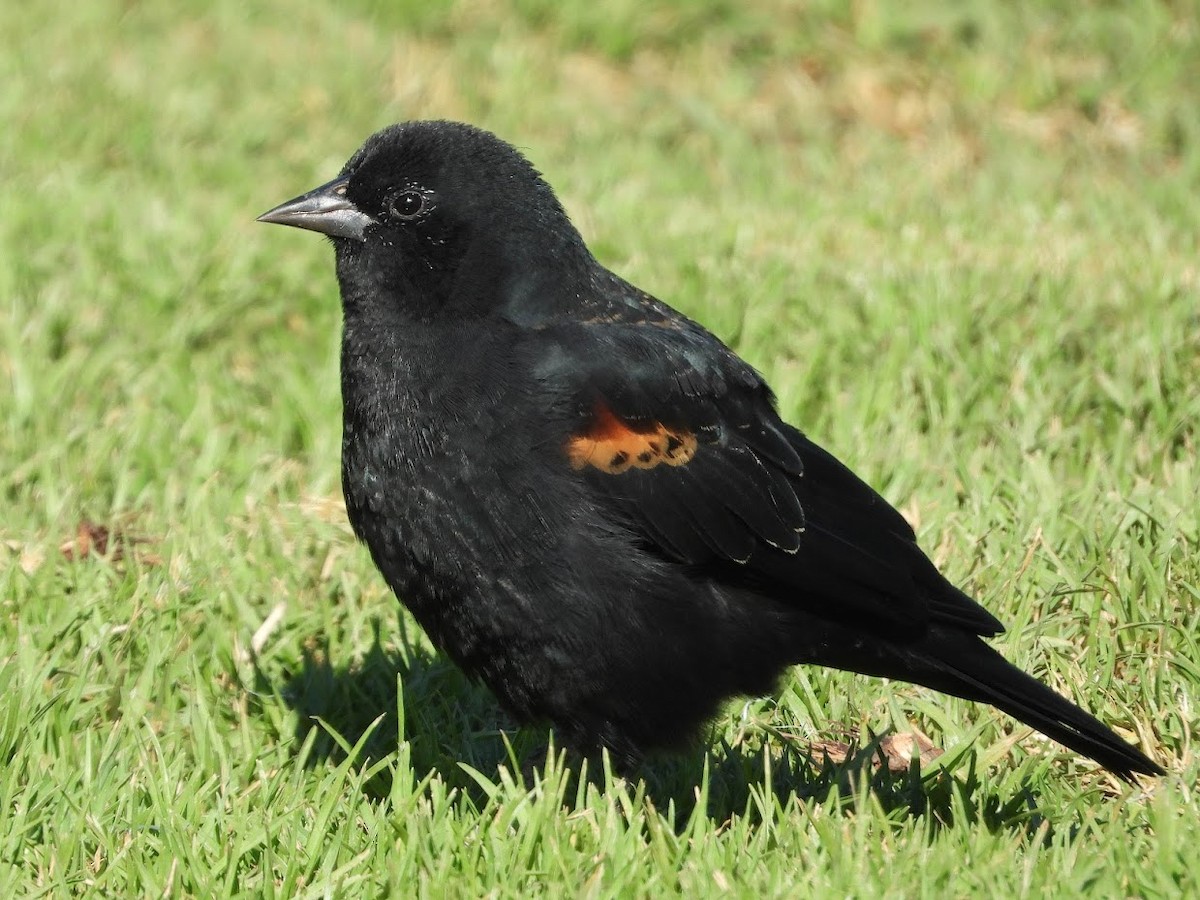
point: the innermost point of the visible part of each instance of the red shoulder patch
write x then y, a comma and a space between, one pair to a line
613, 446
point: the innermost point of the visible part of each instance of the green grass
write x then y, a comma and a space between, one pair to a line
959, 238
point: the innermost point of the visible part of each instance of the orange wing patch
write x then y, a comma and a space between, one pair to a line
613, 446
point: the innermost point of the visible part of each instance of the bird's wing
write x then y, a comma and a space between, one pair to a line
677, 437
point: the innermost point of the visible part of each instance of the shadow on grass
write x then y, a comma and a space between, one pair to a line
408, 694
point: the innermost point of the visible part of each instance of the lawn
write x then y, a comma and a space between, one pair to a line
961, 241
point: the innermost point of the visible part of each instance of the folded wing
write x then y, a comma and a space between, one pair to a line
680, 439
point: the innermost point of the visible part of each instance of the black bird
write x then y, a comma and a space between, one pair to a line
585, 498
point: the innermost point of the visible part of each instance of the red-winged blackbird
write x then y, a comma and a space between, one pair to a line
585, 498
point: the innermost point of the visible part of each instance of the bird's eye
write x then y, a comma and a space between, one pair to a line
407, 205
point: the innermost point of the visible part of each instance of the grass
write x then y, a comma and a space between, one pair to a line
959, 239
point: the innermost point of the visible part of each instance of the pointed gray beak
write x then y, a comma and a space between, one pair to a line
326, 209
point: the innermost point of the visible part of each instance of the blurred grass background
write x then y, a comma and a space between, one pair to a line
961, 241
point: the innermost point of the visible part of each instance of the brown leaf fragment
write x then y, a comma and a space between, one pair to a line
899, 749
90, 539
94, 539
837, 752
894, 750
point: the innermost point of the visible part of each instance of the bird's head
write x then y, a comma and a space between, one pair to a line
436, 218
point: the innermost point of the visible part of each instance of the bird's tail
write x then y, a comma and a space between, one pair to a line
964, 666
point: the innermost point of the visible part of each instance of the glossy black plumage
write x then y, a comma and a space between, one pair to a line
585, 498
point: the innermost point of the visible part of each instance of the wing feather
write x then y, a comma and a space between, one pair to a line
749, 499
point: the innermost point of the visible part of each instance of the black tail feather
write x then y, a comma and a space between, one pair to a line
964, 666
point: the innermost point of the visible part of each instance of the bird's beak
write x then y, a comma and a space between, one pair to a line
326, 209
